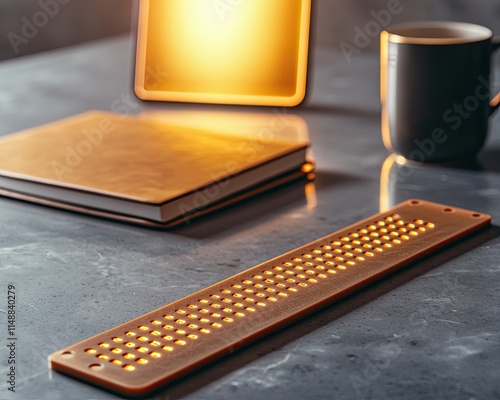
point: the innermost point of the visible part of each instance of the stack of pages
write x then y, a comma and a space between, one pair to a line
141, 170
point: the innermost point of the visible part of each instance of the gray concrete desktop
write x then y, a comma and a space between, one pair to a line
430, 331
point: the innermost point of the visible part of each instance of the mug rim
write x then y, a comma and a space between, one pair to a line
399, 33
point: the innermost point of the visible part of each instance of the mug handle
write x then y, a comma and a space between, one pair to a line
495, 102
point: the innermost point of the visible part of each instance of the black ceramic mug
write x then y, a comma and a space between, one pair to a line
435, 89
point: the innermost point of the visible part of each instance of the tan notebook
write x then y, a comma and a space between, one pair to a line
135, 168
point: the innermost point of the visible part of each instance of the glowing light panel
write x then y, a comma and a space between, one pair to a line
223, 51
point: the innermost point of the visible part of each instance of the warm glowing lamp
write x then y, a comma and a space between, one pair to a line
252, 52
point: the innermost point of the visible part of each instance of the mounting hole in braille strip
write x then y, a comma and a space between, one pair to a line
67, 354
96, 367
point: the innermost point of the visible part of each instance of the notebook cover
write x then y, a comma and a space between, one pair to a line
129, 158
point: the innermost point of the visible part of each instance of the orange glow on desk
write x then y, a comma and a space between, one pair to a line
223, 51
261, 126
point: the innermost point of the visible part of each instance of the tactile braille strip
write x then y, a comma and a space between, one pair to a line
140, 356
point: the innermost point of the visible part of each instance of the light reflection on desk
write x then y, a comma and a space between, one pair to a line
465, 186
275, 125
